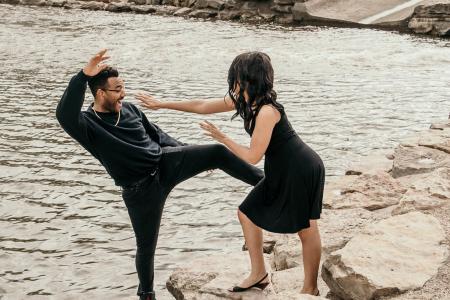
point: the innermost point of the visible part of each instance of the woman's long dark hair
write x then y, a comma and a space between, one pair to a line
253, 72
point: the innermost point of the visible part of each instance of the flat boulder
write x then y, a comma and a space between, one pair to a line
336, 228
410, 160
413, 201
143, 9
182, 12
436, 183
93, 5
371, 164
203, 13
33, 2
440, 125
210, 278
431, 19
291, 280
425, 191
118, 7
436, 139
390, 257
368, 191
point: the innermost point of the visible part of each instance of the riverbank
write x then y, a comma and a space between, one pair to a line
415, 16
385, 234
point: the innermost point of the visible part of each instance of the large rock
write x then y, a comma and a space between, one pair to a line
93, 5
57, 3
293, 295
13, 2
182, 11
413, 201
227, 15
211, 277
285, 19
168, 2
287, 252
284, 2
286, 9
336, 228
215, 4
203, 13
138, 2
411, 160
369, 191
184, 284
143, 9
118, 7
426, 191
165, 10
300, 12
390, 257
249, 16
371, 164
270, 239
334, 187
440, 125
433, 19
72, 4
292, 280
251, 6
267, 16
436, 139
33, 2
436, 183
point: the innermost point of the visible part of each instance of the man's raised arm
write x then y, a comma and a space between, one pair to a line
69, 107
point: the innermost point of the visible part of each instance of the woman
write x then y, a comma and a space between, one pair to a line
289, 198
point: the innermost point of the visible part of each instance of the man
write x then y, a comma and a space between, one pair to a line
141, 158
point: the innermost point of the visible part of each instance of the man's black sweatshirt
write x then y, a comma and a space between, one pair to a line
128, 151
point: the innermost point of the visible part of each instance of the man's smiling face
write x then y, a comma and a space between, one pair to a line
113, 94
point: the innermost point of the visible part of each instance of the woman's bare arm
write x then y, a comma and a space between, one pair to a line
265, 122
198, 106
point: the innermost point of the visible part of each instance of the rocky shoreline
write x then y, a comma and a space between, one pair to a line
385, 235
433, 19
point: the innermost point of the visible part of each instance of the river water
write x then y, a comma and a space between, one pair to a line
65, 232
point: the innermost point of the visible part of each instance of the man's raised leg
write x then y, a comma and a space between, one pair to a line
199, 158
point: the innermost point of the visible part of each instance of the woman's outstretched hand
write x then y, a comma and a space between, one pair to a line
212, 131
148, 101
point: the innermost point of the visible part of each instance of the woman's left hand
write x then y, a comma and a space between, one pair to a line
212, 131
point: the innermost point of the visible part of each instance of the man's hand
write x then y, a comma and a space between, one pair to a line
95, 64
148, 101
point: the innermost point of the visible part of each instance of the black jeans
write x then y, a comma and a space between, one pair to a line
145, 201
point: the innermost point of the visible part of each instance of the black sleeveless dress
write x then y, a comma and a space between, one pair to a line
291, 193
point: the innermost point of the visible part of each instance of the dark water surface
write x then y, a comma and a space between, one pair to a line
64, 229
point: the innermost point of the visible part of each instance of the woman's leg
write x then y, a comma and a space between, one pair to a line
312, 247
254, 241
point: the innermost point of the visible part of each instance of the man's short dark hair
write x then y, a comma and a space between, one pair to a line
99, 81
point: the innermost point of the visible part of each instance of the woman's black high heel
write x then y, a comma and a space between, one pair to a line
260, 285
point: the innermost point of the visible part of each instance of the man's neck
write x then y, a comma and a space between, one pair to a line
99, 108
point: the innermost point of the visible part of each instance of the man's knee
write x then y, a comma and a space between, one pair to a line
145, 250
220, 149
145, 246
